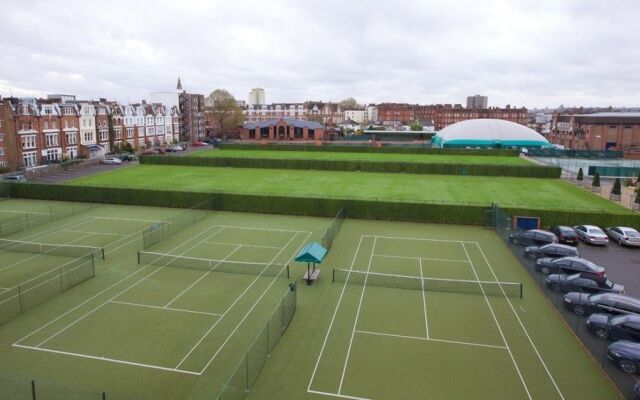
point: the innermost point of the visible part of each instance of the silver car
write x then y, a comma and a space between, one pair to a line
591, 234
624, 236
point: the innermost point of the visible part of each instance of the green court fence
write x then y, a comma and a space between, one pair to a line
27, 220
19, 388
160, 231
244, 376
64, 250
551, 152
205, 264
25, 296
615, 171
482, 288
410, 167
334, 228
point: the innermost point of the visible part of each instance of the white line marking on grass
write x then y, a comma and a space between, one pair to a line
492, 346
163, 308
341, 396
424, 302
253, 228
94, 233
422, 258
134, 220
113, 360
521, 324
413, 238
25, 212
355, 323
504, 339
245, 245
335, 312
522, 308
202, 277
258, 300
118, 294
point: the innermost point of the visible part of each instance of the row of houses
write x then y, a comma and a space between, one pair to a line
35, 132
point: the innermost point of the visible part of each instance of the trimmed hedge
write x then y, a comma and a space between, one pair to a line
527, 171
310, 206
370, 149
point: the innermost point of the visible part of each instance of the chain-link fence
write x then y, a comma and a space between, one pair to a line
247, 371
501, 222
19, 388
159, 231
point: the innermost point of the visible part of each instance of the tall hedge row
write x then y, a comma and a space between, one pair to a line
320, 207
528, 171
370, 149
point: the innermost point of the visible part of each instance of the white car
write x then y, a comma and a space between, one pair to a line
591, 234
113, 161
624, 236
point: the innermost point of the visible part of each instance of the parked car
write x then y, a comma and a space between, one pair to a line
624, 236
15, 178
128, 157
566, 235
610, 303
625, 354
592, 234
568, 265
198, 143
582, 283
636, 390
553, 250
174, 148
533, 236
615, 327
112, 161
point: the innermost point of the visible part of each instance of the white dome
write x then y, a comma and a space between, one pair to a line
488, 132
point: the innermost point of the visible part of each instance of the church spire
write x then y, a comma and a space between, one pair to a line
179, 84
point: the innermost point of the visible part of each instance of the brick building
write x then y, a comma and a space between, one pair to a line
597, 131
283, 129
192, 120
8, 154
329, 112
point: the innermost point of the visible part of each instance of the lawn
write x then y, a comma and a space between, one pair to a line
381, 157
506, 191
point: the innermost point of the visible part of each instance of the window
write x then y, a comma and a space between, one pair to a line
52, 155
1, 136
28, 142
104, 135
613, 126
46, 124
51, 139
118, 134
30, 125
312, 133
73, 152
252, 133
71, 138
1, 151
129, 133
48, 111
88, 136
3, 163
29, 159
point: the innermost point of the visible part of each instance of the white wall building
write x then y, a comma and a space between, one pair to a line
359, 116
257, 97
372, 113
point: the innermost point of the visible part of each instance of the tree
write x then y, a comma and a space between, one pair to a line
315, 118
416, 126
580, 176
615, 190
596, 180
225, 111
637, 196
350, 104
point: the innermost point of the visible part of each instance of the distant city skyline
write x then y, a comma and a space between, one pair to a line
523, 53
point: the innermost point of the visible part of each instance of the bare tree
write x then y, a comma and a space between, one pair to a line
225, 111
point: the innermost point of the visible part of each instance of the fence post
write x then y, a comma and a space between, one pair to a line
20, 299
246, 358
61, 285
104, 395
283, 324
268, 344
33, 389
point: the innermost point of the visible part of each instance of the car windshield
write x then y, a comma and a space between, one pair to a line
565, 230
595, 297
572, 277
589, 264
631, 233
607, 283
596, 231
618, 320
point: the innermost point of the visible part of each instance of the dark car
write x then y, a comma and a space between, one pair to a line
553, 250
625, 354
636, 389
610, 303
533, 236
568, 265
566, 235
128, 157
582, 283
615, 327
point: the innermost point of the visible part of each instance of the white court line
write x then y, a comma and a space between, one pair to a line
246, 245
134, 219
25, 212
422, 258
163, 308
504, 339
94, 233
335, 312
254, 304
229, 309
203, 276
432, 339
107, 359
253, 228
424, 302
341, 396
113, 297
521, 324
355, 323
413, 238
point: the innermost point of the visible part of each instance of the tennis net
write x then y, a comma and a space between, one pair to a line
489, 288
206, 264
333, 229
65, 250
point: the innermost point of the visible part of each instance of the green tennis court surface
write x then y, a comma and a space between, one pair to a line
414, 311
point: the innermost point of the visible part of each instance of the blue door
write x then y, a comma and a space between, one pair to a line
527, 223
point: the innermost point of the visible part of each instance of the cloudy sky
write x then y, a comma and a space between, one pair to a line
518, 52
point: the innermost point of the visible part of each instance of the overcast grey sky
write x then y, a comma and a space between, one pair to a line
518, 52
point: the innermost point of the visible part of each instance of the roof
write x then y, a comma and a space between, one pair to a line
297, 123
348, 122
311, 253
609, 118
487, 131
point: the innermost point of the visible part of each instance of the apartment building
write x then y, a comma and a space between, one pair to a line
596, 131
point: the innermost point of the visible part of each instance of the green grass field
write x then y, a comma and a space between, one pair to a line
156, 331
381, 157
506, 191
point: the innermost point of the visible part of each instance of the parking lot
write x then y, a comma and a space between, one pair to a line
622, 264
